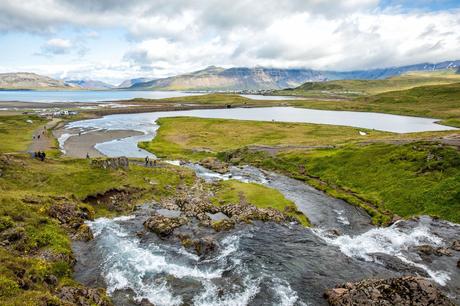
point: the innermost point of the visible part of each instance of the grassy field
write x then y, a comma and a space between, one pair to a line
16, 133
353, 88
439, 101
388, 186
385, 179
230, 192
195, 138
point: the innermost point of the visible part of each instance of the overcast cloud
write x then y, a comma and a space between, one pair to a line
166, 37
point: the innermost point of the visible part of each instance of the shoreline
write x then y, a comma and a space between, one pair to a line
78, 146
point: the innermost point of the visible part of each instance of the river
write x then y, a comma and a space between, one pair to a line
260, 263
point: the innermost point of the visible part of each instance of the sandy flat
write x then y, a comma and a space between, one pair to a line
79, 146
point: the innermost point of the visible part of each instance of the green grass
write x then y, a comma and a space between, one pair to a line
407, 180
16, 133
437, 101
195, 138
28, 188
352, 88
229, 192
208, 99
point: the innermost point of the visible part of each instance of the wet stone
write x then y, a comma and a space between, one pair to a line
406, 290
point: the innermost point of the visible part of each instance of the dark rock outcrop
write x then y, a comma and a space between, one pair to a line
68, 214
223, 225
83, 233
406, 290
111, 163
119, 200
215, 165
430, 250
83, 296
244, 212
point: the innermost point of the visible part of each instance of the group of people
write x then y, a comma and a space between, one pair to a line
40, 155
150, 162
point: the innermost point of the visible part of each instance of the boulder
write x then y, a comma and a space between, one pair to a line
214, 164
204, 246
223, 225
455, 245
163, 226
430, 250
406, 290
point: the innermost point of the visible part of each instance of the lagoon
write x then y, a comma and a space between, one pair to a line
146, 123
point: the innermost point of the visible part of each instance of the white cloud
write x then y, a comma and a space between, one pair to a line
56, 46
166, 37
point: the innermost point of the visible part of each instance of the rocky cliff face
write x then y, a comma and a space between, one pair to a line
25, 80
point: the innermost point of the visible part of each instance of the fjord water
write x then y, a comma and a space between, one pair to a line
86, 95
262, 263
145, 123
104, 95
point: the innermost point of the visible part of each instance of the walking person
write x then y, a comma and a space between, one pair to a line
146, 161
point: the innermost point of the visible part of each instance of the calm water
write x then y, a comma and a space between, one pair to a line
145, 122
106, 95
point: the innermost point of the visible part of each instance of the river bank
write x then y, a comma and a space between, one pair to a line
266, 262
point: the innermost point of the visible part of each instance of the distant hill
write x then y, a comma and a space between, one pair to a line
89, 84
350, 88
131, 82
26, 80
260, 78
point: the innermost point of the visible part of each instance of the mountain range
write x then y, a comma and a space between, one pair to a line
26, 80
260, 78
221, 79
89, 84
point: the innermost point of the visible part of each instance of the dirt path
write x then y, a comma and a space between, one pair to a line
41, 140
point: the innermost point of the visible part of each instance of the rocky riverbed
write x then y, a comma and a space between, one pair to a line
172, 253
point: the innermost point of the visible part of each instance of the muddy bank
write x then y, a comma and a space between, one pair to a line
77, 145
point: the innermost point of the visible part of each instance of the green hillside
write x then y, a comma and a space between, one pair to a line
353, 88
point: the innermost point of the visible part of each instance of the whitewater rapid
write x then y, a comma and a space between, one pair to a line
262, 263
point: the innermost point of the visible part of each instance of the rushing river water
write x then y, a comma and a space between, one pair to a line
263, 263
145, 123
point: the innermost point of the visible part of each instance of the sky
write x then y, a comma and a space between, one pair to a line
114, 40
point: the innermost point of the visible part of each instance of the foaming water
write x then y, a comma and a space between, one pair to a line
395, 241
262, 263
259, 264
